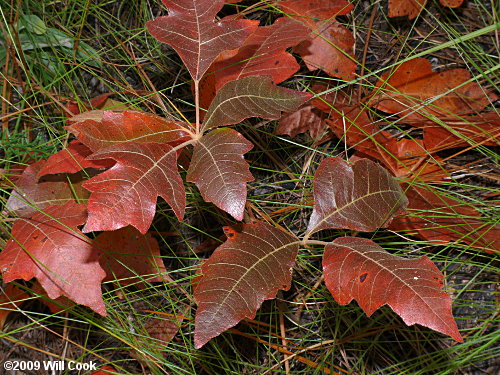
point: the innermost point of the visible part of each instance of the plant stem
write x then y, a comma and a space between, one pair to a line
305, 241
197, 104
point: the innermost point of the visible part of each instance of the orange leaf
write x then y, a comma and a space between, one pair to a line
331, 49
120, 127
71, 160
409, 8
415, 91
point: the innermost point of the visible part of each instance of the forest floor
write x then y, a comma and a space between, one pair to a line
103, 47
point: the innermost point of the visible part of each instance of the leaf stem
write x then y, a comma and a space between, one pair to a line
197, 104
305, 241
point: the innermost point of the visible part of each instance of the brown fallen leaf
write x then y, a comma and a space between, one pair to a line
441, 219
414, 91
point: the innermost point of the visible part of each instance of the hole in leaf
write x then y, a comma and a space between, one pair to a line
362, 278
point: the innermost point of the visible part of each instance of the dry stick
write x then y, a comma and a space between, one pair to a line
365, 51
281, 311
470, 148
5, 88
65, 336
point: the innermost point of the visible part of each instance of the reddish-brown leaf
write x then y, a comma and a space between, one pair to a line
263, 53
359, 269
32, 194
409, 160
71, 160
451, 3
10, 299
250, 267
97, 102
130, 257
220, 171
50, 247
360, 197
251, 97
126, 194
162, 330
191, 29
438, 218
408, 8
483, 128
310, 11
412, 8
410, 90
305, 119
116, 128
330, 48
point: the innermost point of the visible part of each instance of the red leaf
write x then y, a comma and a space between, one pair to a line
441, 219
72, 160
360, 197
263, 53
49, 246
250, 267
32, 194
11, 298
121, 127
310, 11
251, 97
359, 269
130, 257
407, 90
126, 194
191, 30
331, 49
220, 171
